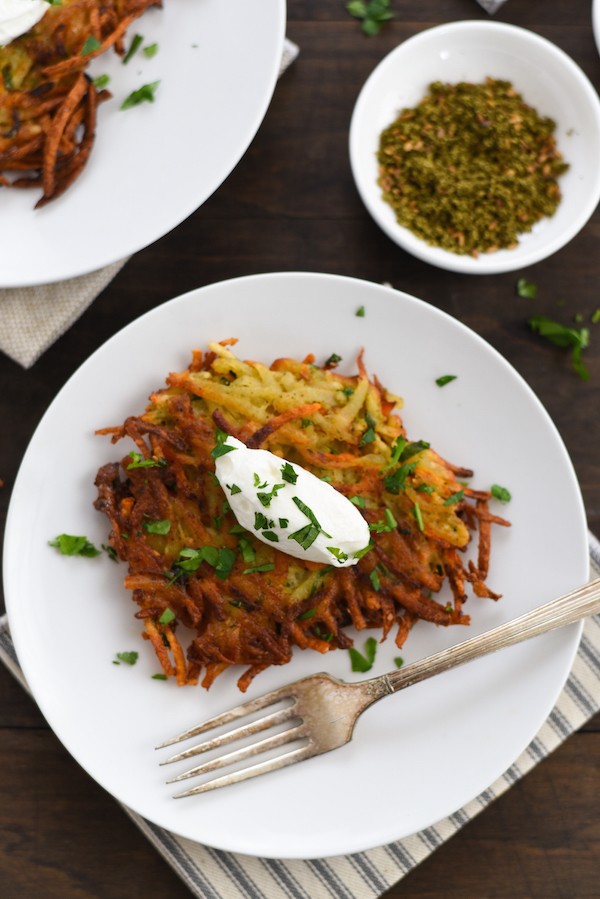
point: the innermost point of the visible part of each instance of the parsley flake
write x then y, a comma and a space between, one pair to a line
144, 93
500, 493
133, 47
257, 569
364, 662
337, 553
167, 617
71, 545
371, 13
158, 527
130, 658
101, 81
138, 461
577, 339
445, 379
90, 46
289, 473
527, 289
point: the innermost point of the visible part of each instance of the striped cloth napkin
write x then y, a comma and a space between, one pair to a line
214, 874
33, 318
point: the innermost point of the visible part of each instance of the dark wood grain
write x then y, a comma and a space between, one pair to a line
290, 204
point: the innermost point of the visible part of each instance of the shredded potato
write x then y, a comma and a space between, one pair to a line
47, 101
248, 603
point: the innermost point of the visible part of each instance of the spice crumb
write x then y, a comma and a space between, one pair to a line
471, 167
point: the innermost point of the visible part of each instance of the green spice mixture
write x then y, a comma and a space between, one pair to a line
471, 167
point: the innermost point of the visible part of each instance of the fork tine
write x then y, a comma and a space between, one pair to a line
238, 755
244, 730
246, 708
296, 755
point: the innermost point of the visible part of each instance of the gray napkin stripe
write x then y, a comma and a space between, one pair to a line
215, 874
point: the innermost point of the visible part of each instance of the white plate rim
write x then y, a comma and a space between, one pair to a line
254, 843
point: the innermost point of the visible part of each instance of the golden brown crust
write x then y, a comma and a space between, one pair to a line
250, 604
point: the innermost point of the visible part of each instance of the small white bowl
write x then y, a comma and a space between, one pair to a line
470, 51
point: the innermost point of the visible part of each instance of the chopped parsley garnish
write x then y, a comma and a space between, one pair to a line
221, 448
364, 662
500, 493
257, 481
7, 77
136, 40
306, 510
411, 449
283, 523
310, 613
306, 536
445, 379
150, 51
159, 677
359, 501
158, 527
110, 552
596, 316
425, 488
395, 481
398, 661
167, 617
144, 93
527, 289
560, 335
375, 582
138, 461
71, 545
368, 436
247, 550
265, 498
371, 13
360, 312
261, 522
270, 535
233, 489
363, 552
454, 498
222, 560
337, 553
130, 658
418, 516
90, 46
101, 81
333, 360
289, 473
257, 569
386, 525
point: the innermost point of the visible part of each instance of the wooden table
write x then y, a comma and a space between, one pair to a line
291, 204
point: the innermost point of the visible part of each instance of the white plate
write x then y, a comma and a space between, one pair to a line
153, 164
596, 22
548, 79
415, 757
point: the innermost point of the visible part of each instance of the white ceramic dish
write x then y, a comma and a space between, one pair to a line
415, 757
549, 81
154, 164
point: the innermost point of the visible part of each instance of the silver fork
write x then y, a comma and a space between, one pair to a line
320, 711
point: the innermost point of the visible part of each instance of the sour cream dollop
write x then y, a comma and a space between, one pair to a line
288, 507
18, 16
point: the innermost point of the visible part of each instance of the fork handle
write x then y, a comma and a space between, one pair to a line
559, 612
